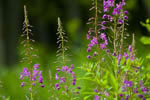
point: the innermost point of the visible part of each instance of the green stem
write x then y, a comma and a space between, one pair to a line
28, 49
122, 36
115, 37
96, 18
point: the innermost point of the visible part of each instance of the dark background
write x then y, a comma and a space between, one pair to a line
43, 16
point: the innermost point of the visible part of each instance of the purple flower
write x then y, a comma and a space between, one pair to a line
106, 94
42, 85
95, 90
87, 36
58, 69
120, 21
26, 72
88, 56
94, 41
130, 48
57, 86
128, 83
116, 11
36, 66
102, 46
121, 95
140, 96
118, 58
103, 27
74, 83
126, 55
135, 90
41, 79
106, 42
21, 76
78, 87
125, 17
89, 49
72, 67
104, 16
96, 97
57, 77
22, 84
103, 59
35, 74
103, 22
126, 12
33, 84
103, 36
108, 4
95, 53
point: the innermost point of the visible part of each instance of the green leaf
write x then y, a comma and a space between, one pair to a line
112, 80
147, 21
86, 97
8, 98
148, 56
145, 40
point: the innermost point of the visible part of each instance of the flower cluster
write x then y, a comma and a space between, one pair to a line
62, 80
105, 93
108, 4
34, 77
94, 42
128, 85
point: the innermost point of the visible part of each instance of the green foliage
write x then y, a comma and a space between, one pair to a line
146, 24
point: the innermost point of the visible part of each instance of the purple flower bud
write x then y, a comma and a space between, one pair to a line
125, 17
41, 79
121, 95
102, 46
89, 49
74, 83
120, 21
22, 84
103, 36
58, 69
103, 22
104, 16
33, 84
88, 56
130, 48
96, 97
78, 87
140, 96
87, 36
106, 94
126, 12
95, 53
57, 77
42, 85
103, 59
95, 90
107, 50
21, 76
72, 67
36, 66
103, 27
118, 58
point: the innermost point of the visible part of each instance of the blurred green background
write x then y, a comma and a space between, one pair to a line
43, 16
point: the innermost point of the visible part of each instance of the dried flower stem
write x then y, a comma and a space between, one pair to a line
60, 30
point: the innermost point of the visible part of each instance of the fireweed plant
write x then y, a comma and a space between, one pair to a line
115, 73
31, 75
65, 76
